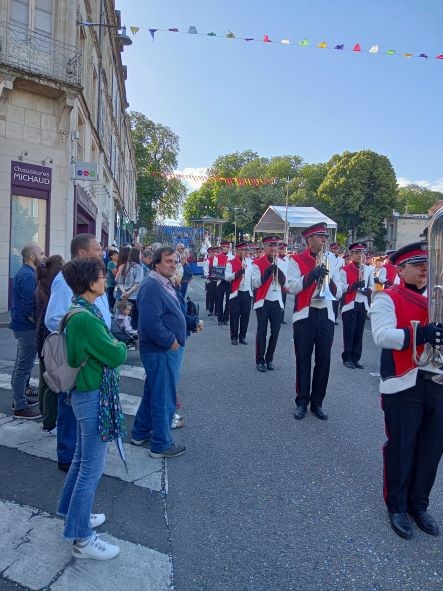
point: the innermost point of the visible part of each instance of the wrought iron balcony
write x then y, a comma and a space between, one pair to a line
39, 55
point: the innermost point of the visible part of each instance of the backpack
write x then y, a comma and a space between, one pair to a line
59, 375
192, 308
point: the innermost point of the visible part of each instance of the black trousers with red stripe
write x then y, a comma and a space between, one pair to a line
315, 331
239, 312
353, 327
269, 312
414, 427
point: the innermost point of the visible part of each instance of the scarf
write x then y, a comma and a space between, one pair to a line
111, 421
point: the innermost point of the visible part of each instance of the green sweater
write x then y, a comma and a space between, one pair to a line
87, 335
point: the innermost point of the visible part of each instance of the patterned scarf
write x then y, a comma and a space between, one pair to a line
111, 421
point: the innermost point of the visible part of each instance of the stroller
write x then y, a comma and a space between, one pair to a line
120, 334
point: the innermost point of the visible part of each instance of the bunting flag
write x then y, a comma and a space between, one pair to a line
239, 181
374, 49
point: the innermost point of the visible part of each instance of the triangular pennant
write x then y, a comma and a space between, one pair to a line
266, 39
285, 42
374, 49
249, 39
230, 35
211, 34
356, 47
322, 45
407, 55
423, 55
439, 57
152, 32
192, 30
390, 52
339, 46
304, 42
134, 30
174, 30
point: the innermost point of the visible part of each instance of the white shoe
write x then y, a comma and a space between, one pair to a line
96, 549
97, 519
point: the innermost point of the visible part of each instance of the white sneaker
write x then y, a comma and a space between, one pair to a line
97, 519
96, 549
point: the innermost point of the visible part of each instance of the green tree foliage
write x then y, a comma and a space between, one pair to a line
416, 199
361, 189
201, 203
156, 151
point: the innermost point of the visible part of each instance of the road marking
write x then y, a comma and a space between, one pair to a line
25, 436
132, 371
130, 403
28, 532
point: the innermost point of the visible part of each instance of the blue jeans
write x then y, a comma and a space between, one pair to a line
154, 415
66, 429
87, 467
24, 362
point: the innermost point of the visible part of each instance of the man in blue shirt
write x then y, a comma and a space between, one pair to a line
23, 326
82, 245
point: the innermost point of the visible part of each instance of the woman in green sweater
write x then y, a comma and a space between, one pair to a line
96, 405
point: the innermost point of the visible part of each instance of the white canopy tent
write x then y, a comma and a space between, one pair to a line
278, 219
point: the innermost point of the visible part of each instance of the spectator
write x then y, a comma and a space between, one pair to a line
187, 273
82, 245
96, 405
162, 332
23, 326
123, 317
129, 281
156, 246
122, 259
111, 272
48, 400
147, 261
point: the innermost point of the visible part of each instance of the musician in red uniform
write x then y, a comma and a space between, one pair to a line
211, 281
358, 283
223, 286
313, 321
388, 272
268, 279
412, 396
238, 273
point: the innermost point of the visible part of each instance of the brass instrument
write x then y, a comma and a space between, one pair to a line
243, 266
361, 272
432, 354
275, 274
322, 260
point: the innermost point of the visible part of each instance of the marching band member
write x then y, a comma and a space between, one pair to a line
338, 261
412, 399
313, 321
283, 256
267, 278
239, 274
358, 283
223, 286
211, 282
388, 272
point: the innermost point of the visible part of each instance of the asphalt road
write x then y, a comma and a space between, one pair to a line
259, 502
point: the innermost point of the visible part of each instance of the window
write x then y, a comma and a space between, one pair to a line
43, 17
33, 14
20, 12
28, 224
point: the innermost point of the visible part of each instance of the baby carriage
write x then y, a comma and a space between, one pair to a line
122, 335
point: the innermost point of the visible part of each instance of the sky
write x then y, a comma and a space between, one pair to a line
224, 95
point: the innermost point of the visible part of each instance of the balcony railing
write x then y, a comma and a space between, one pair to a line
40, 55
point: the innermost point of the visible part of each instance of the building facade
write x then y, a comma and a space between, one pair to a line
402, 229
67, 162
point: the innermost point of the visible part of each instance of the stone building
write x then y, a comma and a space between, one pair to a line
67, 162
402, 229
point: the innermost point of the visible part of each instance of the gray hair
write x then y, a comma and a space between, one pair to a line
156, 246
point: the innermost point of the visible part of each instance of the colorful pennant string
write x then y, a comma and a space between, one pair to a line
253, 182
374, 49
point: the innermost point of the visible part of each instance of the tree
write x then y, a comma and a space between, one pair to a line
200, 203
416, 199
361, 189
304, 187
156, 150
229, 165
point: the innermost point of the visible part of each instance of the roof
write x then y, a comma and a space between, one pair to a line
274, 219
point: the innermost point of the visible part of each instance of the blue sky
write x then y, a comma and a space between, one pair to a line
223, 95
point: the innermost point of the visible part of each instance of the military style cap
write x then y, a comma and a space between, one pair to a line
358, 246
334, 245
283, 244
242, 245
271, 240
320, 228
414, 253
225, 243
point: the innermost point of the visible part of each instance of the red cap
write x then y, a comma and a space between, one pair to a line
271, 240
415, 253
225, 243
242, 245
319, 228
283, 245
358, 246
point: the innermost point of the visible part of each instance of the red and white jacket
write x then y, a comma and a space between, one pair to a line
266, 290
349, 274
221, 260
243, 283
388, 274
391, 313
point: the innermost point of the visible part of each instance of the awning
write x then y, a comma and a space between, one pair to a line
274, 219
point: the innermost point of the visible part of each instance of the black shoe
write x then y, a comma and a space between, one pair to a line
270, 366
284, 322
261, 367
226, 322
234, 341
401, 525
358, 365
349, 364
64, 467
318, 411
243, 341
210, 313
336, 323
220, 323
426, 522
300, 412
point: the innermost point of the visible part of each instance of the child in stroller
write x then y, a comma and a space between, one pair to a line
121, 325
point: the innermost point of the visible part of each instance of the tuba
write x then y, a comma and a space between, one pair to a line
432, 354
325, 290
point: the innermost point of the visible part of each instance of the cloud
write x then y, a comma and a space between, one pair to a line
193, 184
436, 185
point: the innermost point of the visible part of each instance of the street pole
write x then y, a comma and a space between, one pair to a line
286, 214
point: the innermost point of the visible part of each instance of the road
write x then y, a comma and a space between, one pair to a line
259, 502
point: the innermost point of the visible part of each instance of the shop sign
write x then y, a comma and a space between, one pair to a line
30, 176
85, 171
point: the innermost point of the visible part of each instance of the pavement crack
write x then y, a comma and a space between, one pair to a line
37, 513
60, 573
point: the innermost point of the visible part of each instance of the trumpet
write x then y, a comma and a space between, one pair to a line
243, 266
322, 260
432, 354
